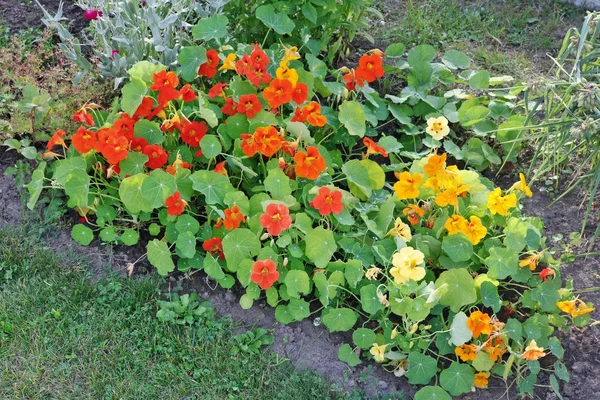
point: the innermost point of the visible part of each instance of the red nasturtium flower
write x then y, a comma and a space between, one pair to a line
193, 132
310, 113
56, 139
546, 272
84, 140
276, 219
264, 273
83, 116
175, 204
163, 80
233, 218
352, 80
259, 57
249, 146
243, 64
187, 93
230, 107
300, 93
373, 148
138, 144
124, 126
217, 90
257, 75
327, 202
209, 68
214, 246
249, 105
220, 168
309, 165
278, 92
145, 108
157, 157
370, 67
116, 149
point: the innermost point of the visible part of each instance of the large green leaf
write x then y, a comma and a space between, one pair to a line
212, 185
458, 288
133, 94
364, 338
358, 176
320, 246
238, 245
502, 263
145, 70
352, 116
490, 297
421, 368
214, 27
133, 164
457, 379
186, 244
339, 319
159, 255
36, 185
77, 187
157, 187
348, 356
279, 22
277, 184
455, 59
458, 247
191, 57
297, 282
148, 130
432, 393
82, 234
211, 146
66, 167
299, 308
130, 193
369, 300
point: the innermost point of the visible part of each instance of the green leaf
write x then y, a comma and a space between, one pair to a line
299, 309
130, 193
353, 272
490, 297
159, 255
310, 12
502, 263
482, 361
352, 116
320, 246
348, 356
395, 50
213, 268
68, 166
145, 70
376, 174
458, 247
279, 22
457, 379
481, 80
364, 338
134, 163
191, 57
157, 187
369, 300
186, 244
211, 146
82, 234
277, 184
108, 234
282, 314
133, 94
187, 223
130, 237
77, 187
459, 331
458, 288
238, 245
212, 185
555, 386
236, 125
547, 295
514, 329
36, 185
358, 175
432, 393
339, 319
421, 368
297, 281
239, 199
419, 55
214, 27
455, 59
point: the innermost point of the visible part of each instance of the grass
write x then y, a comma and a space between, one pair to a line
507, 36
64, 336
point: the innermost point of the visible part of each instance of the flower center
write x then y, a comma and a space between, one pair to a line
276, 217
265, 272
328, 200
154, 154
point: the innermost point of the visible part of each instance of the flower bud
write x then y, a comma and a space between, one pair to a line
285, 262
264, 236
92, 15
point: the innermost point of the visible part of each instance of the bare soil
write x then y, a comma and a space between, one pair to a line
18, 15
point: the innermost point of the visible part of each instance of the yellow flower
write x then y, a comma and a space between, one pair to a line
522, 186
450, 195
378, 351
291, 53
287, 73
407, 186
479, 323
575, 307
413, 212
454, 224
466, 352
437, 127
499, 204
533, 352
531, 261
473, 229
394, 333
406, 265
481, 380
435, 164
372, 273
401, 230
228, 63
382, 298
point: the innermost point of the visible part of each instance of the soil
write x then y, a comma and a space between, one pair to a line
18, 15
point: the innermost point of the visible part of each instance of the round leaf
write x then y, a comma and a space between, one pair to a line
212, 185
82, 234
364, 338
159, 255
458, 247
279, 22
191, 57
320, 246
458, 288
211, 146
432, 393
130, 237
457, 379
339, 319
348, 356
238, 245
214, 27
421, 368
502, 263
352, 116
297, 282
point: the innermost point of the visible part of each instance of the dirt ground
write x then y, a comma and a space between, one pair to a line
19, 15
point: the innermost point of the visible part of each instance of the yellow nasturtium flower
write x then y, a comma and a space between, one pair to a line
575, 307
531, 261
450, 195
435, 164
499, 204
466, 352
287, 73
454, 224
407, 265
522, 186
437, 127
291, 54
378, 352
474, 229
228, 63
408, 185
400, 230
481, 380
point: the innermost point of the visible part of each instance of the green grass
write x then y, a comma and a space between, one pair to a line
65, 336
502, 36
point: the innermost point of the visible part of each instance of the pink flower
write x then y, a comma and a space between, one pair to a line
92, 15
112, 54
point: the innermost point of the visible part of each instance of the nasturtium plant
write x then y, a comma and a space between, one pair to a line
260, 168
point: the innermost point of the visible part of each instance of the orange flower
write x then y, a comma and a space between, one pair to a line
370, 67
175, 204
163, 80
157, 157
209, 68
249, 105
193, 132
373, 148
413, 212
82, 116
300, 93
233, 218
276, 219
327, 202
466, 352
264, 273
531, 261
249, 145
267, 139
352, 80
408, 185
56, 139
116, 149
309, 165
533, 352
454, 224
84, 140
481, 380
278, 92
218, 90
479, 323
310, 113
124, 126
435, 164
214, 246
220, 168
187, 93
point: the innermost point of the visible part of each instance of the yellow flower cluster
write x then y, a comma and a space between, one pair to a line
445, 181
471, 228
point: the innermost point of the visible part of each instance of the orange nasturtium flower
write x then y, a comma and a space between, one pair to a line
164, 79
575, 307
450, 195
373, 148
435, 164
267, 139
370, 67
276, 219
473, 229
300, 93
408, 185
479, 323
157, 156
209, 68
84, 140
56, 139
310, 113
218, 90
309, 165
499, 204
466, 352
193, 132
481, 380
83, 116
278, 92
175, 204
220, 168
214, 246
413, 212
327, 201
264, 273
116, 149
533, 352
233, 218
531, 261
522, 186
187, 93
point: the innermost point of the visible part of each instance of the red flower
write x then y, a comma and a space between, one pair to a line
259, 57
175, 204
546, 272
84, 140
124, 126
138, 144
187, 93
370, 67
249, 146
220, 168
233, 218
300, 93
352, 79
373, 148
243, 64
249, 105
214, 246
278, 92
327, 202
230, 107
257, 74
145, 109
157, 157
84, 117
56, 139
102, 136
193, 132
116, 149
309, 165
209, 68
92, 15
310, 113
276, 219
264, 273
217, 90
163, 80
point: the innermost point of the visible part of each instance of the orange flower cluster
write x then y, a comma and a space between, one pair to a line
264, 140
370, 67
310, 113
254, 66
